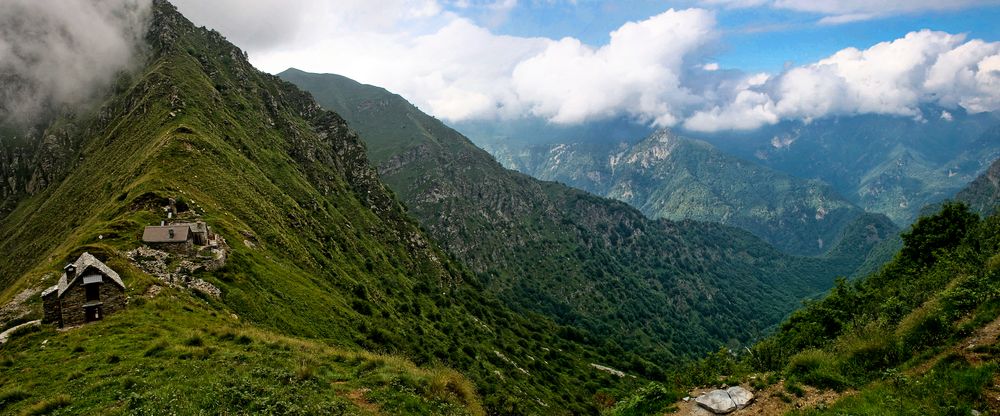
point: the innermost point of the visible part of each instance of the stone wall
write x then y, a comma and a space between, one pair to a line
72, 305
112, 297
185, 247
50, 304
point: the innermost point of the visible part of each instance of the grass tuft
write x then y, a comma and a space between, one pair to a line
48, 405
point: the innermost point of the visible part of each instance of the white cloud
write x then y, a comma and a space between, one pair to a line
892, 78
637, 72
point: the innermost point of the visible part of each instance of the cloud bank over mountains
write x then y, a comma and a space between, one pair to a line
658, 70
893, 78
59, 53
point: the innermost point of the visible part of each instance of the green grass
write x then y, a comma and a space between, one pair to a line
116, 373
951, 388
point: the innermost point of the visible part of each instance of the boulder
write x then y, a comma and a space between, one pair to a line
741, 396
717, 401
722, 402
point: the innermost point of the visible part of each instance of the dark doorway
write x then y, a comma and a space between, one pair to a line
93, 313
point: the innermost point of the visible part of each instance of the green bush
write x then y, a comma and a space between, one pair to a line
816, 368
654, 398
868, 353
925, 327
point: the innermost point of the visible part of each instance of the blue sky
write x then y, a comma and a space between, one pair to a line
754, 39
558, 60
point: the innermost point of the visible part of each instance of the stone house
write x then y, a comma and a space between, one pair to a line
175, 237
87, 291
178, 238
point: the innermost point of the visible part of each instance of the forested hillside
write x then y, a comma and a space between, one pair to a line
665, 289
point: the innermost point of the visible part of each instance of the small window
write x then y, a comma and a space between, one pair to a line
93, 292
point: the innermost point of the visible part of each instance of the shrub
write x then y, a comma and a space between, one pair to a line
940, 231
654, 398
306, 371
816, 368
794, 388
925, 327
868, 353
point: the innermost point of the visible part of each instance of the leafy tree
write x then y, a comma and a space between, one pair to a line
931, 234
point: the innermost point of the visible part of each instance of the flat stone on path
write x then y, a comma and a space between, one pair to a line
718, 401
741, 396
726, 401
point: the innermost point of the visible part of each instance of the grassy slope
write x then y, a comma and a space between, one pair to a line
321, 249
177, 354
665, 289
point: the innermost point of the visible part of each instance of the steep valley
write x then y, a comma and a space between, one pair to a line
666, 290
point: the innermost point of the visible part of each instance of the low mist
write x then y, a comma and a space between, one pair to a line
56, 54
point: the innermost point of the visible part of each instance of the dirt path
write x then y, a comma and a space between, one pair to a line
773, 400
6, 334
969, 348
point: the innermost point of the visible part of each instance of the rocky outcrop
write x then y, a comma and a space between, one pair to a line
726, 401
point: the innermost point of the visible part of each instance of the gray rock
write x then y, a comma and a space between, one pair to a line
717, 401
741, 396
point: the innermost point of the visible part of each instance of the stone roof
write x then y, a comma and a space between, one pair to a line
51, 289
161, 233
85, 263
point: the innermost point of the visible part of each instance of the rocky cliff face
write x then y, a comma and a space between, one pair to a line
31, 161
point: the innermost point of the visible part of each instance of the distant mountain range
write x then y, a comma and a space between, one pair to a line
983, 194
668, 176
662, 288
884, 164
